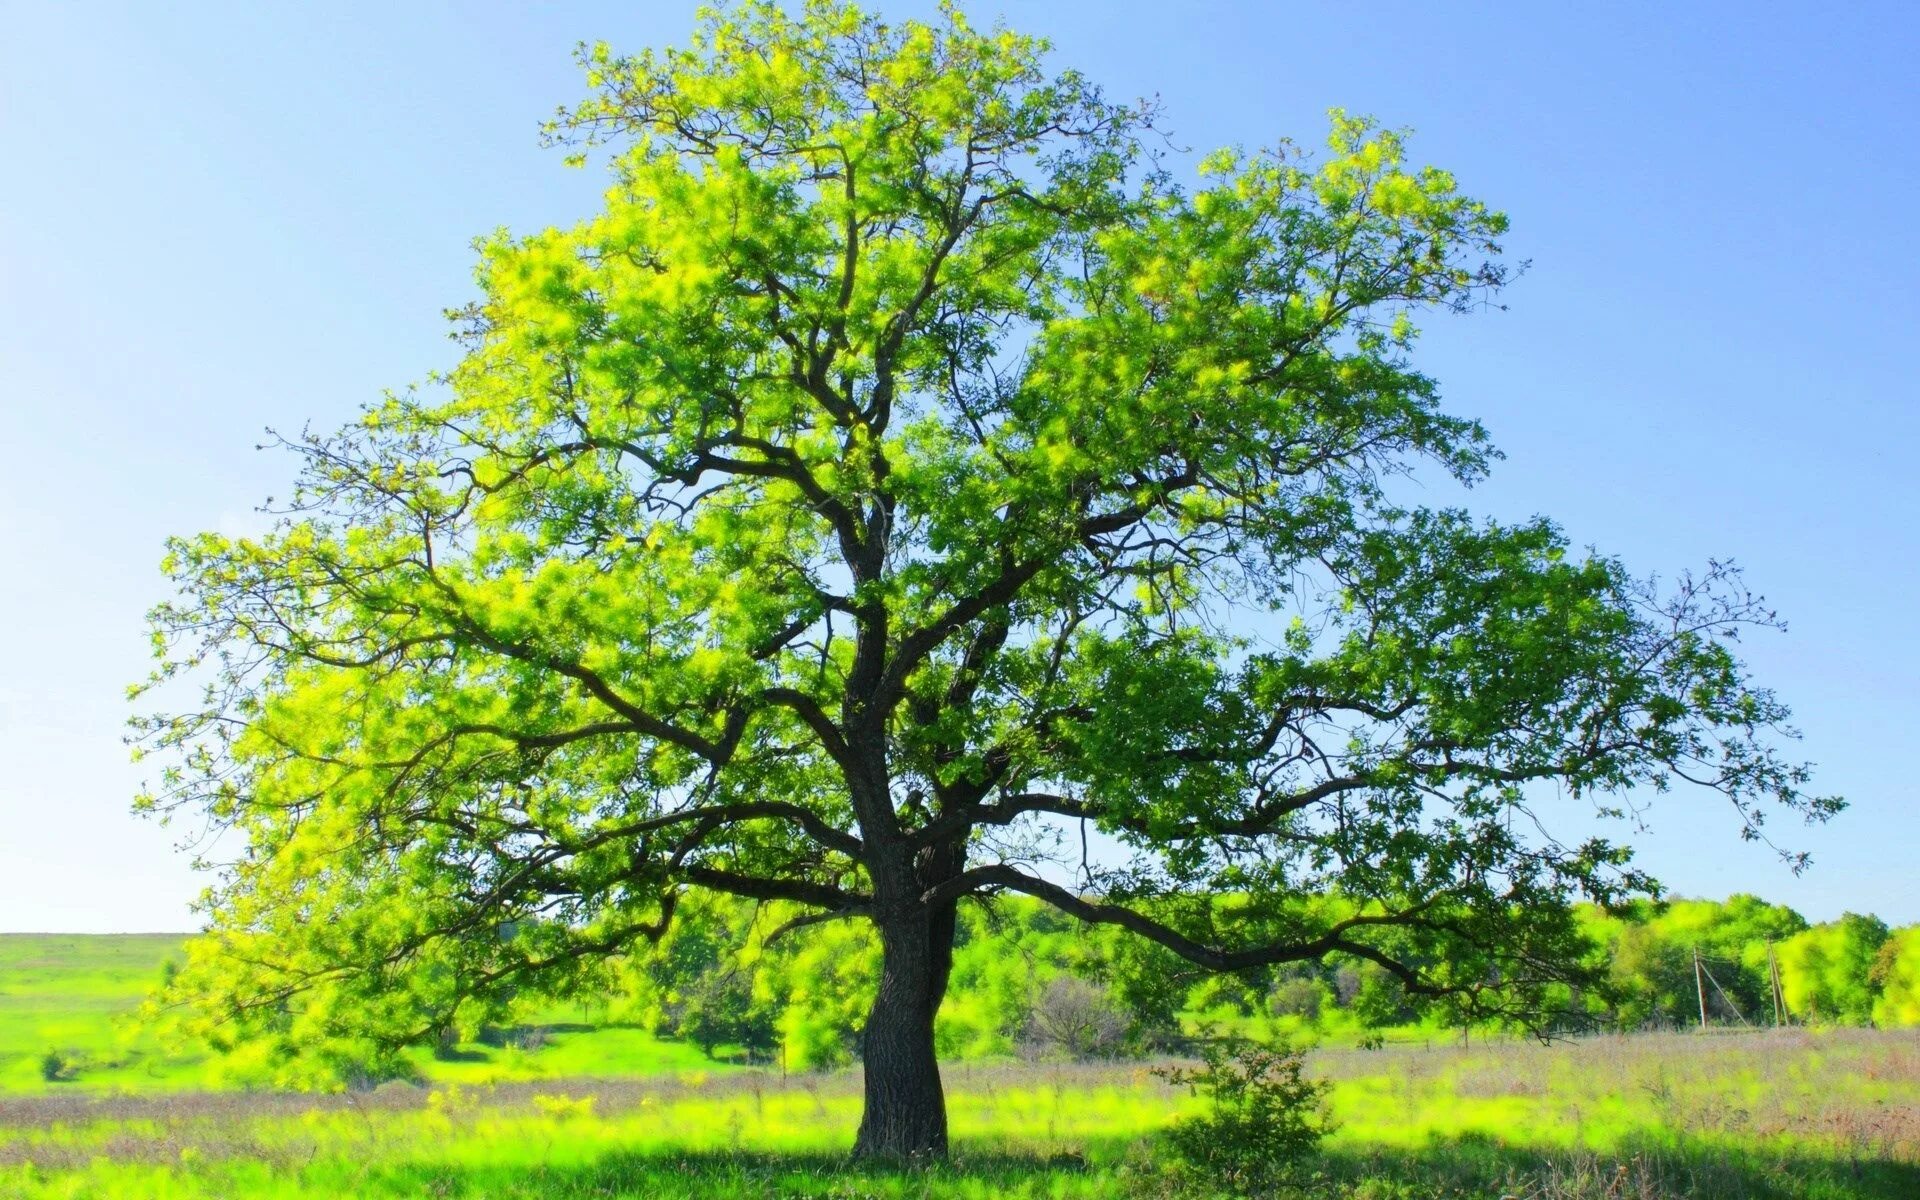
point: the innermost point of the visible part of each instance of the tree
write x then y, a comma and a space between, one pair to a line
900, 472
1827, 972
1649, 953
1896, 975
719, 1008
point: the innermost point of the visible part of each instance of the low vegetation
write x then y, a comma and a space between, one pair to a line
1027, 983
570, 1105
1261, 1122
1789, 1114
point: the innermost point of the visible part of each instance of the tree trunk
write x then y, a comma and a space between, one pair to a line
906, 1110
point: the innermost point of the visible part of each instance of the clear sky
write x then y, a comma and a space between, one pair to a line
218, 217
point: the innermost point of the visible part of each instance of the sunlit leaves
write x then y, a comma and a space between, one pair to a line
899, 453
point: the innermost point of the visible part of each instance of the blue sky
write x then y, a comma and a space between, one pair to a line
235, 215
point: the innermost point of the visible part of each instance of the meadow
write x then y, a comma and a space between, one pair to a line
613, 1112
75, 995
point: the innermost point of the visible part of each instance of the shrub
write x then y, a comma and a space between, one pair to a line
718, 1008
1078, 1019
1373, 997
1263, 1120
1297, 998
54, 1067
564, 1108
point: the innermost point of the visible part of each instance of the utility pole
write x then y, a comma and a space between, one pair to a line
1780, 1013
1700, 986
1773, 984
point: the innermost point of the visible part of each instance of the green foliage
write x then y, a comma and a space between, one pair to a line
720, 1010
811, 988
1378, 1001
1301, 995
1262, 1121
1827, 972
1649, 951
1896, 976
696, 984
714, 981
872, 488
76, 993
1007, 958
822, 983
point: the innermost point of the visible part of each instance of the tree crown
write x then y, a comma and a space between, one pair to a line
900, 468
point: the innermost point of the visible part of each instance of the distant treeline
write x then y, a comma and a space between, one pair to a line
1027, 979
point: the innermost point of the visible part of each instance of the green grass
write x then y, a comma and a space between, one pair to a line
612, 1112
70, 994
76, 995
1793, 1116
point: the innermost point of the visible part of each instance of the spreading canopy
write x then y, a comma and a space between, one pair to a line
901, 473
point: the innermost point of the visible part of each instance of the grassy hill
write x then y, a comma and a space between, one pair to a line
76, 996
71, 995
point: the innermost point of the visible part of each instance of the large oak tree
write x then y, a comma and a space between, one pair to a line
900, 475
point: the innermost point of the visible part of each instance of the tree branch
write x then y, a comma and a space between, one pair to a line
1003, 877
753, 887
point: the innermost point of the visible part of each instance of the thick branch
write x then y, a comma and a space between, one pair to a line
726, 814
1002, 877
753, 887
1260, 821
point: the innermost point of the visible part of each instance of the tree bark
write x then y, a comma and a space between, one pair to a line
906, 1108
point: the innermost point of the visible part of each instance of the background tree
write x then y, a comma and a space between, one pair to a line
1648, 951
1827, 972
900, 469
1896, 976
1077, 1018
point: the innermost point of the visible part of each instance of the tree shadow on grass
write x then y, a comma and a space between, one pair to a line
1473, 1166
731, 1174
1651, 1168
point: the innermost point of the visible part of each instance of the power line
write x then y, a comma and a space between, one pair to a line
1723, 995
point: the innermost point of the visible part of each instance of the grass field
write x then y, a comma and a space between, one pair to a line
1788, 1114
70, 994
74, 995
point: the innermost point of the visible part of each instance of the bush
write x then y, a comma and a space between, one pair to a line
1263, 1120
1078, 1019
1376, 999
1297, 998
718, 1009
54, 1067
